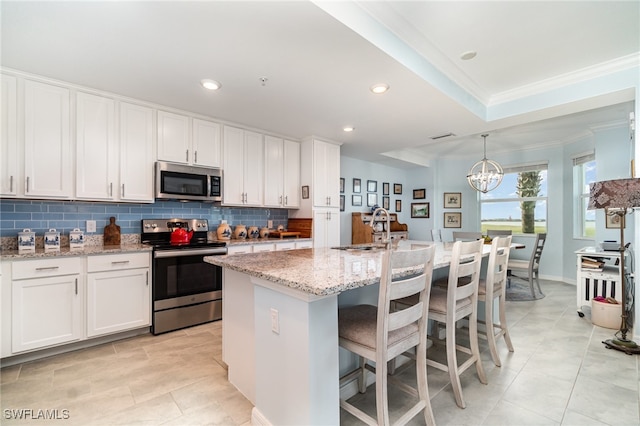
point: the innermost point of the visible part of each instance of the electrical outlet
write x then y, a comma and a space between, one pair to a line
269, 224
223, 221
275, 321
91, 226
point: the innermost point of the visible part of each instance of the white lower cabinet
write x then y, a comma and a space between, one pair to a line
118, 293
46, 303
326, 228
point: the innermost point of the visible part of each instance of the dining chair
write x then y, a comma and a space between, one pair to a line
531, 266
498, 232
381, 333
466, 236
491, 287
436, 235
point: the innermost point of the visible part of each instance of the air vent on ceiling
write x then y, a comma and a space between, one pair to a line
445, 135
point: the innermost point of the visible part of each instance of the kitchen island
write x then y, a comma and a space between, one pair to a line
280, 325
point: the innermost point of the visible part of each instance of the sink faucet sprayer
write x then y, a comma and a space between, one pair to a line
387, 242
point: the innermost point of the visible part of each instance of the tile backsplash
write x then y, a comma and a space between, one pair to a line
64, 216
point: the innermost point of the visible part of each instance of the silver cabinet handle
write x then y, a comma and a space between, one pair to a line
147, 278
47, 268
11, 183
195, 157
27, 190
122, 190
120, 262
281, 199
76, 286
286, 200
187, 156
111, 189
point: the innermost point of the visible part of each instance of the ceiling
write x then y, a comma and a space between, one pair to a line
320, 58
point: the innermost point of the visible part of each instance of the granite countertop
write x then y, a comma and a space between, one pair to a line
235, 242
66, 251
322, 271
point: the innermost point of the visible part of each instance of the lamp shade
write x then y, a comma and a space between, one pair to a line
617, 193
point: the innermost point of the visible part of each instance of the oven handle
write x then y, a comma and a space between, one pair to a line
190, 252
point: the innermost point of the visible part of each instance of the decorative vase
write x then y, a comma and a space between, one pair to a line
253, 232
264, 232
240, 232
223, 232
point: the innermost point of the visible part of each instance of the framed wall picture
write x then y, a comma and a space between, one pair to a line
341, 185
385, 203
372, 186
453, 220
452, 200
372, 200
398, 206
356, 200
420, 210
356, 185
342, 203
614, 221
305, 192
397, 188
385, 188
419, 194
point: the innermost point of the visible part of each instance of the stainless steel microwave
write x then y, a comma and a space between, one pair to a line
188, 183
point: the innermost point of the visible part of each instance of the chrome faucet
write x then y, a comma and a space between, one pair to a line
386, 242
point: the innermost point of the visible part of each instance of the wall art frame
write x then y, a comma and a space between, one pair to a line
452, 200
453, 220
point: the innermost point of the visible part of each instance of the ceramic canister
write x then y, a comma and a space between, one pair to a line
52, 240
253, 232
223, 232
240, 232
26, 241
264, 232
76, 239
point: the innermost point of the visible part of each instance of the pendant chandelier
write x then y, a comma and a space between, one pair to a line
485, 175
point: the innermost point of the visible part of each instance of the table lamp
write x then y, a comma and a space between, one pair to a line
618, 197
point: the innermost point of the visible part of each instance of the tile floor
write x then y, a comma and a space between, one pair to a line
559, 374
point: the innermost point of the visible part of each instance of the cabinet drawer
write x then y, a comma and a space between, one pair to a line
285, 246
49, 267
262, 247
113, 262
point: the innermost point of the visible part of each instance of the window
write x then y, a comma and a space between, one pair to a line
584, 173
519, 204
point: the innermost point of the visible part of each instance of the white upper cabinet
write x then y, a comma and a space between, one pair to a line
113, 165
96, 148
47, 142
184, 140
137, 141
282, 173
326, 174
174, 139
206, 145
243, 165
9, 142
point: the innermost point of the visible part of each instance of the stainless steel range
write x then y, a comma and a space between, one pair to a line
186, 290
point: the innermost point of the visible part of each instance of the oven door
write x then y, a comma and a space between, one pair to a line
183, 274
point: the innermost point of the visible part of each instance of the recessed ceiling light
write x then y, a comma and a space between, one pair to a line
379, 88
210, 84
348, 128
468, 55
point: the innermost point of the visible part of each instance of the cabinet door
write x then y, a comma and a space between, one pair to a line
326, 174
45, 312
47, 144
253, 169
173, 138
326, 228
206, 143
273, 172
9, 140
136, 153
117, 301
291, 169
233, 163
96, 148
